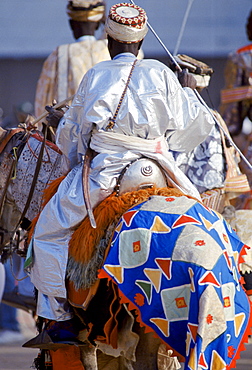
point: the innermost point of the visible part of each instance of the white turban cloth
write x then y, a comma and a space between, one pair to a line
125, 33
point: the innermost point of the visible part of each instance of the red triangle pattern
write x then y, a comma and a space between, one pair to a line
209, 278
165, 265
184, 219
128, 216
225, 253
202, 361
193, 330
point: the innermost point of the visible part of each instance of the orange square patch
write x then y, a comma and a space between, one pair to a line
136, 246
180, 302
227, 302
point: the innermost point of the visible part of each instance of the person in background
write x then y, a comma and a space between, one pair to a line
236, 97
65, 67
236, 109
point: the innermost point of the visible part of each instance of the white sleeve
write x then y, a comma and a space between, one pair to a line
191, 123
68, 135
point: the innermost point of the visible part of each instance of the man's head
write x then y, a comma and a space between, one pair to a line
126, 27
249, 26
85, 16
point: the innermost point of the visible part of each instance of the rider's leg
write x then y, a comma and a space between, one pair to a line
53, 308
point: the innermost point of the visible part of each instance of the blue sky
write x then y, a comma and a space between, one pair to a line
214, 27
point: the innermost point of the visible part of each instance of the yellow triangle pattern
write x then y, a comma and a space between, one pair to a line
159, 226
116, 271
191, 273
208, 225
236, 256
192, 360
188, 341
162, 324
217, 362
238, 321
154, 275
118, 228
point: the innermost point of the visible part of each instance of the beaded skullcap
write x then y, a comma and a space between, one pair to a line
126, 23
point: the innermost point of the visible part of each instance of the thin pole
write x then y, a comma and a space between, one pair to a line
189, 5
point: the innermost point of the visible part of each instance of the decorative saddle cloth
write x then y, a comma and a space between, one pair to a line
50, 170
176, 262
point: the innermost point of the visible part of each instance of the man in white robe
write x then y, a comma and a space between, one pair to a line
156, 115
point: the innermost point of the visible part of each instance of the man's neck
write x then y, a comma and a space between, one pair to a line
86, 37
124, 55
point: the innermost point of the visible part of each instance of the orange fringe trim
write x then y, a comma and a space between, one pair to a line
85, 238
248, 330
245, 338
102, 274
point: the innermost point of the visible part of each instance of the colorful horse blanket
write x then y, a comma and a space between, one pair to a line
176, 262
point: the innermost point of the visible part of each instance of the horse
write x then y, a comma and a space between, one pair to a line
161, 262
79, 271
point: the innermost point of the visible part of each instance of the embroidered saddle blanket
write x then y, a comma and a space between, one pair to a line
176, 262
50, 169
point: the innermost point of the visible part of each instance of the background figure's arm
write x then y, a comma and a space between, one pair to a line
46, 89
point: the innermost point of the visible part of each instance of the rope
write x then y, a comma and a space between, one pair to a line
113, 120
